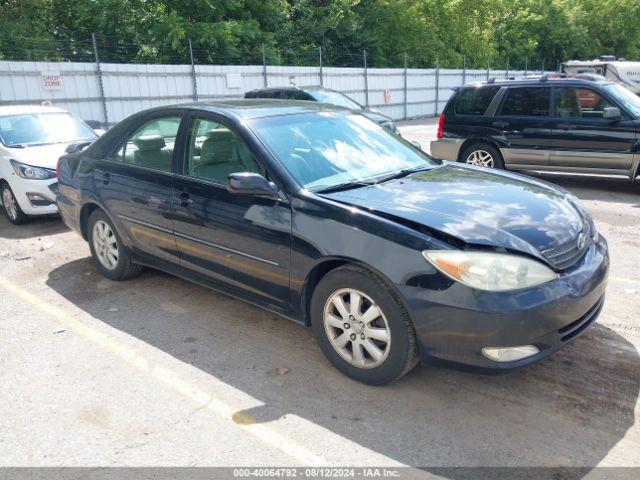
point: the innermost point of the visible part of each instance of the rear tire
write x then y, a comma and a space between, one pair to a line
110, 256
379, 344
482, 154
11, 207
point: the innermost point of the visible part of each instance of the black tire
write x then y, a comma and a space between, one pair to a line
18, 217
125, 268
403, 353
498, 161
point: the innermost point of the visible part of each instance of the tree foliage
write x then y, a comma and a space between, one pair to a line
291, 31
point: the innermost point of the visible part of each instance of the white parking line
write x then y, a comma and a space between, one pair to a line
264, 433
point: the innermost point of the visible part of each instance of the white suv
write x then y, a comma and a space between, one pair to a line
32, 138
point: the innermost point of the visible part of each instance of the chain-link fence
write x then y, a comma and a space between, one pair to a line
106, 80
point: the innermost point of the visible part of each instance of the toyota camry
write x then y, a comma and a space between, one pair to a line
320, 215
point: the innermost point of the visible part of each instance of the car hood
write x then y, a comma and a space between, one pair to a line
476, 206
45, 156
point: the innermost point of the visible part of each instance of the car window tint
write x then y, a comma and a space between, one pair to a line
152, 144
215, 151
474, 101
295, 95
579, 103
530, 102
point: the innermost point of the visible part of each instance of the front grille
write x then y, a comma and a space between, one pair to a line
574, 329
567, 254
54, 187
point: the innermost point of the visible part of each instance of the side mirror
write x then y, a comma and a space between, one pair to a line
76, 147
612, 113
416, 144
249, 183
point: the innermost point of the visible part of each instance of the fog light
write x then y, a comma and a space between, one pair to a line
38, 200
509, 354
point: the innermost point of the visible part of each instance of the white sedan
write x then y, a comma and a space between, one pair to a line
32, 138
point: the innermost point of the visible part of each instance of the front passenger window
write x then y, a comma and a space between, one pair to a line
579, 103
215, 151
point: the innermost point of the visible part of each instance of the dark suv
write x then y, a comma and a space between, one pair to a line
325, 95
581, 124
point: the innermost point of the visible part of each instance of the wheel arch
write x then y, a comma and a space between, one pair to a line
477, 139
320, 270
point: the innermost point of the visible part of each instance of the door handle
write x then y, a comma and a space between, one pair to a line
184, 199
565, 126
500, 124
105, 177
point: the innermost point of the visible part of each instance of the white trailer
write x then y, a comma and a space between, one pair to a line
618, 70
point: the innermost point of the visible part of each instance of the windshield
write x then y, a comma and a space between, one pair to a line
335, 98
332, 148
625, 97
30, 129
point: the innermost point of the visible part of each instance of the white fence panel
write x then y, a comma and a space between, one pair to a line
129, 88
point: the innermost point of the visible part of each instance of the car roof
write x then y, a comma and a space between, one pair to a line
304, 88
254, 107
540, 81
23, 109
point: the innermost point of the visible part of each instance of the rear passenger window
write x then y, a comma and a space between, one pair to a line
474, 101
215, 151
151, 146
527, 102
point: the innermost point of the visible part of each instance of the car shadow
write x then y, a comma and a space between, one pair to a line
35, 227
606, 189
568, 410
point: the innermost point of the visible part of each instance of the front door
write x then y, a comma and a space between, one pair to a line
583, 138
136, 187
242, 241
524, 121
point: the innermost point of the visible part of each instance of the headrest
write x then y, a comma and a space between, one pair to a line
149, 142
217, 131
218, 148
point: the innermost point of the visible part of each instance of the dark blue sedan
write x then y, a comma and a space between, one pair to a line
322, 216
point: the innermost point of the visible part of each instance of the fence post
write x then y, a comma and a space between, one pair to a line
103, 100
193, 73
542, 71
437, 86
506, 75
321, 76
405, 86
366, 80
488, 70
526, 66
264, 66
464, 69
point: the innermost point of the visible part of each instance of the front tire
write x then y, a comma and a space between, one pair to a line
11, 207
482, 155
111, 258
361, 326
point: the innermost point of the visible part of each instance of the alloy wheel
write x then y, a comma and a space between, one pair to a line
481, 158
9, 202
357, 328
105, 245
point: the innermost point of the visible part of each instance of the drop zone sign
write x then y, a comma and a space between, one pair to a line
51, 80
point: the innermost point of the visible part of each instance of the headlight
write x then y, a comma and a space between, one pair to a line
491, 271
32, 173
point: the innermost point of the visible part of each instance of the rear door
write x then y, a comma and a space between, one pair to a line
136, 186
523, 118
242, 241
583, 138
